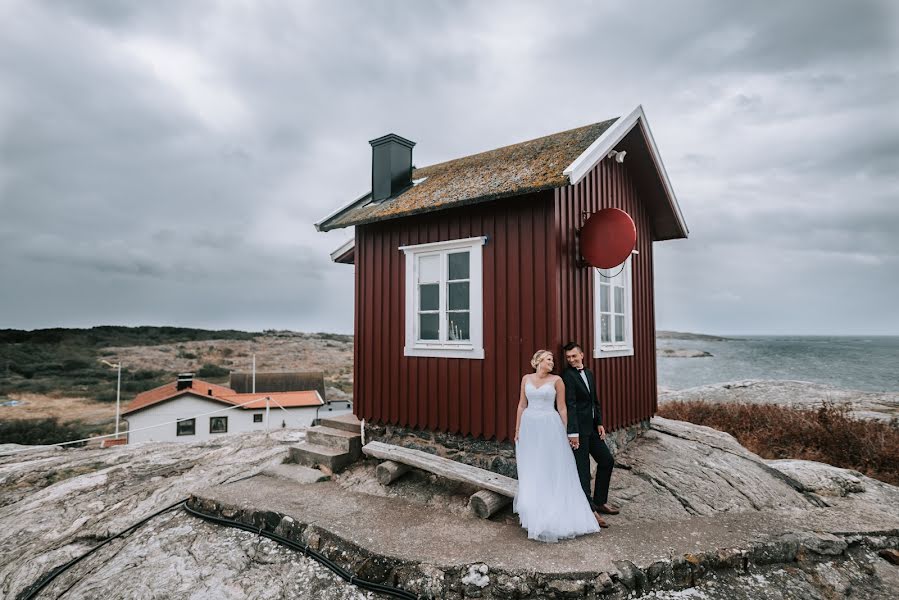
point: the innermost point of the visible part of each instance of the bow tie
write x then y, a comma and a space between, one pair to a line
580, 370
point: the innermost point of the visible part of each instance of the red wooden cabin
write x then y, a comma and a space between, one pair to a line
463, 269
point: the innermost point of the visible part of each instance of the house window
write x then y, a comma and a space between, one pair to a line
257, 418
186, 427
218, 424
613, 311
444, 299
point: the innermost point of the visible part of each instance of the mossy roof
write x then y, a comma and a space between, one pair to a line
508, 171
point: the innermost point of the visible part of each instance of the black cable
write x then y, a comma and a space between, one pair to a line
611, 276
307, 551
30, 592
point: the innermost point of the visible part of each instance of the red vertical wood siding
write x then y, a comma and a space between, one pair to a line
534, 297
627, 384
469, 397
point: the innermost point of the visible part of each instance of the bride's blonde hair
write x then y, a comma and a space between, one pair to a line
538, 357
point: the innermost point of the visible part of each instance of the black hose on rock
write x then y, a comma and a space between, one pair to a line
307, 551
35, 588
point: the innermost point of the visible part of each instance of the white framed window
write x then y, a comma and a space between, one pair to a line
613, 311
445, 299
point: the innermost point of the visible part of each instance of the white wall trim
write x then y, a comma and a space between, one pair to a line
444, 352
472, 349
597, 353
615, 349
447, 245
606, 142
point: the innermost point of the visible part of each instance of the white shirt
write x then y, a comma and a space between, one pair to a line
584, 377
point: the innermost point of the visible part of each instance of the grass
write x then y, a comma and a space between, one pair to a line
826, 434
66, 361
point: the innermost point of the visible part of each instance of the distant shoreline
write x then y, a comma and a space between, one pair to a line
683, 335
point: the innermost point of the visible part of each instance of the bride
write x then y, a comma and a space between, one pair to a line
550, 501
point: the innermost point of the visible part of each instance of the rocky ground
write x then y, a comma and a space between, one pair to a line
57, 504
679, 483
864, 405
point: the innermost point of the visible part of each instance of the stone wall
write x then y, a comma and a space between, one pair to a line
498, 457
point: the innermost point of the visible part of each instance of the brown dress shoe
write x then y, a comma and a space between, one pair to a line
608, 509
600, 521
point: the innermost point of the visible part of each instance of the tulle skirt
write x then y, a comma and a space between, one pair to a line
550, 501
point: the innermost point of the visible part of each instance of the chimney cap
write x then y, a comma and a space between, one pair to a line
391, 137
185, 380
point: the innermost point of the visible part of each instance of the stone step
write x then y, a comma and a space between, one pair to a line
346, 422
339, 439
295, 473
313, 455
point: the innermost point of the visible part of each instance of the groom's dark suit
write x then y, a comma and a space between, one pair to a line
584, 417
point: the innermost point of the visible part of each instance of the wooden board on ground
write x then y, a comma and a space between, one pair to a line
443, 467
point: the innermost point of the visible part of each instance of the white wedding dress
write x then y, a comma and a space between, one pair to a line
550, 501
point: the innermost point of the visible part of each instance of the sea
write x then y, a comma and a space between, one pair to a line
869, 363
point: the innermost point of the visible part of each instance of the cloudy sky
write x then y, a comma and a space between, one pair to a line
164, 162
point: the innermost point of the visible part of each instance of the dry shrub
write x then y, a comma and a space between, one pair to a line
826, 434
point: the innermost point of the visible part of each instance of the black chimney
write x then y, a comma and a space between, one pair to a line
391, 166
185, 380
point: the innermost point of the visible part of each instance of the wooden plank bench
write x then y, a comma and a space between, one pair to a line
496, 490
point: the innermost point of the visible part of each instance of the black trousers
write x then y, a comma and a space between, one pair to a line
592, 445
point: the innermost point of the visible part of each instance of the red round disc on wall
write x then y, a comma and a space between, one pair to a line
608, 238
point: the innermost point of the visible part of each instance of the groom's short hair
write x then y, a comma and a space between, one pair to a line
571, 346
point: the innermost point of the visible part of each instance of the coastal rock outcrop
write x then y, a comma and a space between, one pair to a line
682, 353
883, 406
680, 485
678, 470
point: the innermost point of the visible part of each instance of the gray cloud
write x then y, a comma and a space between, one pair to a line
163, 162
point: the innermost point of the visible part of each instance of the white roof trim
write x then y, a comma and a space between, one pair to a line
605, 143
346, 207
343, 249
342, 209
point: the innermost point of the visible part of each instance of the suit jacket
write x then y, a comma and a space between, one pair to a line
584, 411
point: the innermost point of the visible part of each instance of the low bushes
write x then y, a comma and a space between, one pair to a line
211, 371
826, 434
44, 431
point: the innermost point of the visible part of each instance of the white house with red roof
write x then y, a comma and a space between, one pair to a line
192, 410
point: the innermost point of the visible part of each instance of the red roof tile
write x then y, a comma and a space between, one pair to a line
220, 393
285, 399
169, 390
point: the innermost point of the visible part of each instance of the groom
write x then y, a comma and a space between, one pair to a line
585, 431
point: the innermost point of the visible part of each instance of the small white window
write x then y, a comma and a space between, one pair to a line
444, 299
613, 310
